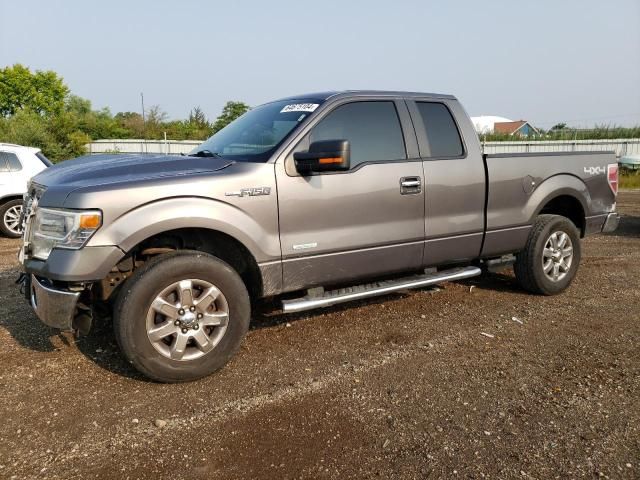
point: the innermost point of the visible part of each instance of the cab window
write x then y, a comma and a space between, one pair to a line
442, 132
372, 129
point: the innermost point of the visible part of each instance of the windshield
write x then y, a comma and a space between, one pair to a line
255, 135
43, 159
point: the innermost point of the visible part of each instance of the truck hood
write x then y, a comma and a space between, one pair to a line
99, 171
93, 170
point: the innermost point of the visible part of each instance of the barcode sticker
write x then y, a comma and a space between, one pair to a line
300, 107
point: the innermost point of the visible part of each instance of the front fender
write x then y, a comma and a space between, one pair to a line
136, 225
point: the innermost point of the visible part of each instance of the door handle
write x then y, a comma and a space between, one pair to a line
410, 185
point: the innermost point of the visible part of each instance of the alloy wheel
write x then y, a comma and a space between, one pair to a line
12, 219
187, 319
557, 256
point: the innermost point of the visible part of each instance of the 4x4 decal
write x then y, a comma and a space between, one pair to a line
595, 170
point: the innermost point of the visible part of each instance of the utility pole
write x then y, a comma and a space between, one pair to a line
144, 133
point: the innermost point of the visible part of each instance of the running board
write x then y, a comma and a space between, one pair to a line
374, 289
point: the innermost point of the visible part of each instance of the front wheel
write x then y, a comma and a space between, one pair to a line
550, 259
181, 316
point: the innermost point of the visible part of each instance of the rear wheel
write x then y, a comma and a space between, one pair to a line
181, 316
10, 213
550, 259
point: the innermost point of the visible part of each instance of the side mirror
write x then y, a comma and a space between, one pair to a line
324, 156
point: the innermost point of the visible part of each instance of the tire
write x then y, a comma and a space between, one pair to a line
139, 326
547, 266
9, 223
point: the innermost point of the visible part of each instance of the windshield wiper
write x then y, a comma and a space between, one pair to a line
205, 153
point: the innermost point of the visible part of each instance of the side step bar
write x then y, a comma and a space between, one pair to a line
374, 289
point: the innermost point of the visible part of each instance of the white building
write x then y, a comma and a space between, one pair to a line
486, 123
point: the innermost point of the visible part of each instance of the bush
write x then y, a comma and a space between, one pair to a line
58, 137
29, 128
630, 179
77, 143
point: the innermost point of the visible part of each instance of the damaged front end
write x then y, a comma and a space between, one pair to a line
59, 306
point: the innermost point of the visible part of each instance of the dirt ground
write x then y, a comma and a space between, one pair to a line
401, 387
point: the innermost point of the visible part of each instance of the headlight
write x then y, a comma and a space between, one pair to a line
62, 229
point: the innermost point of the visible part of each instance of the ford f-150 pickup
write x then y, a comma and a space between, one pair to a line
316, 199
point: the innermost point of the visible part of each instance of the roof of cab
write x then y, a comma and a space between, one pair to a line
322, 96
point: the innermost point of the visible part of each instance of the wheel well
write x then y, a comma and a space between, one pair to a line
569, 207
8, 198
216, 243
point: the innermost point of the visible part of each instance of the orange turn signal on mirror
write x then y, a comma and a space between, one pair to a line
324, 161
90, 221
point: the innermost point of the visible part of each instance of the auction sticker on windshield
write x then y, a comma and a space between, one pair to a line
300, 107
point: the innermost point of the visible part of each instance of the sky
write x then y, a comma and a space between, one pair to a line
546, 61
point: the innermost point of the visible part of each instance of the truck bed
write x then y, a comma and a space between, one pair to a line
520, 185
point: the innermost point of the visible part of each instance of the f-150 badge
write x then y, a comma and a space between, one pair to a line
249, 192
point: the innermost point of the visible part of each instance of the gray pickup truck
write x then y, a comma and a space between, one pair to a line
319, 199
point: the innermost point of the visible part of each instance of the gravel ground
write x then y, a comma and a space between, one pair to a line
483, 382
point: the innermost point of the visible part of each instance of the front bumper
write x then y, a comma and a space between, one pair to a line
88, 264
611, 223
54, 307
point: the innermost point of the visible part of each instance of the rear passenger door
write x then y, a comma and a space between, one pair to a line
454, 181
367, 221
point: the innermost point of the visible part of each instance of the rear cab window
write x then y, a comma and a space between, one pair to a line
371, 127
442, 134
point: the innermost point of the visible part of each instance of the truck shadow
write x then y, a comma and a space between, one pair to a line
101, 348
629, 227
19, 321
503, 281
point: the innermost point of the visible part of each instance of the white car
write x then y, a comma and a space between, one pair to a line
17, 165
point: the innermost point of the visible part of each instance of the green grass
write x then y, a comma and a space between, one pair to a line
630, 180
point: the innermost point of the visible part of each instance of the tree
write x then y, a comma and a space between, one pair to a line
559, 126
155, 119
230, 112
131, 122
155, 115
198, 119
77, 105
42, 92
37, 109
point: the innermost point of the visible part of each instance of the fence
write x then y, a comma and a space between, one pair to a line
168, 147
620, 146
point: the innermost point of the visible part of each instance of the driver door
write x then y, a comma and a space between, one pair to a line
364, 222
